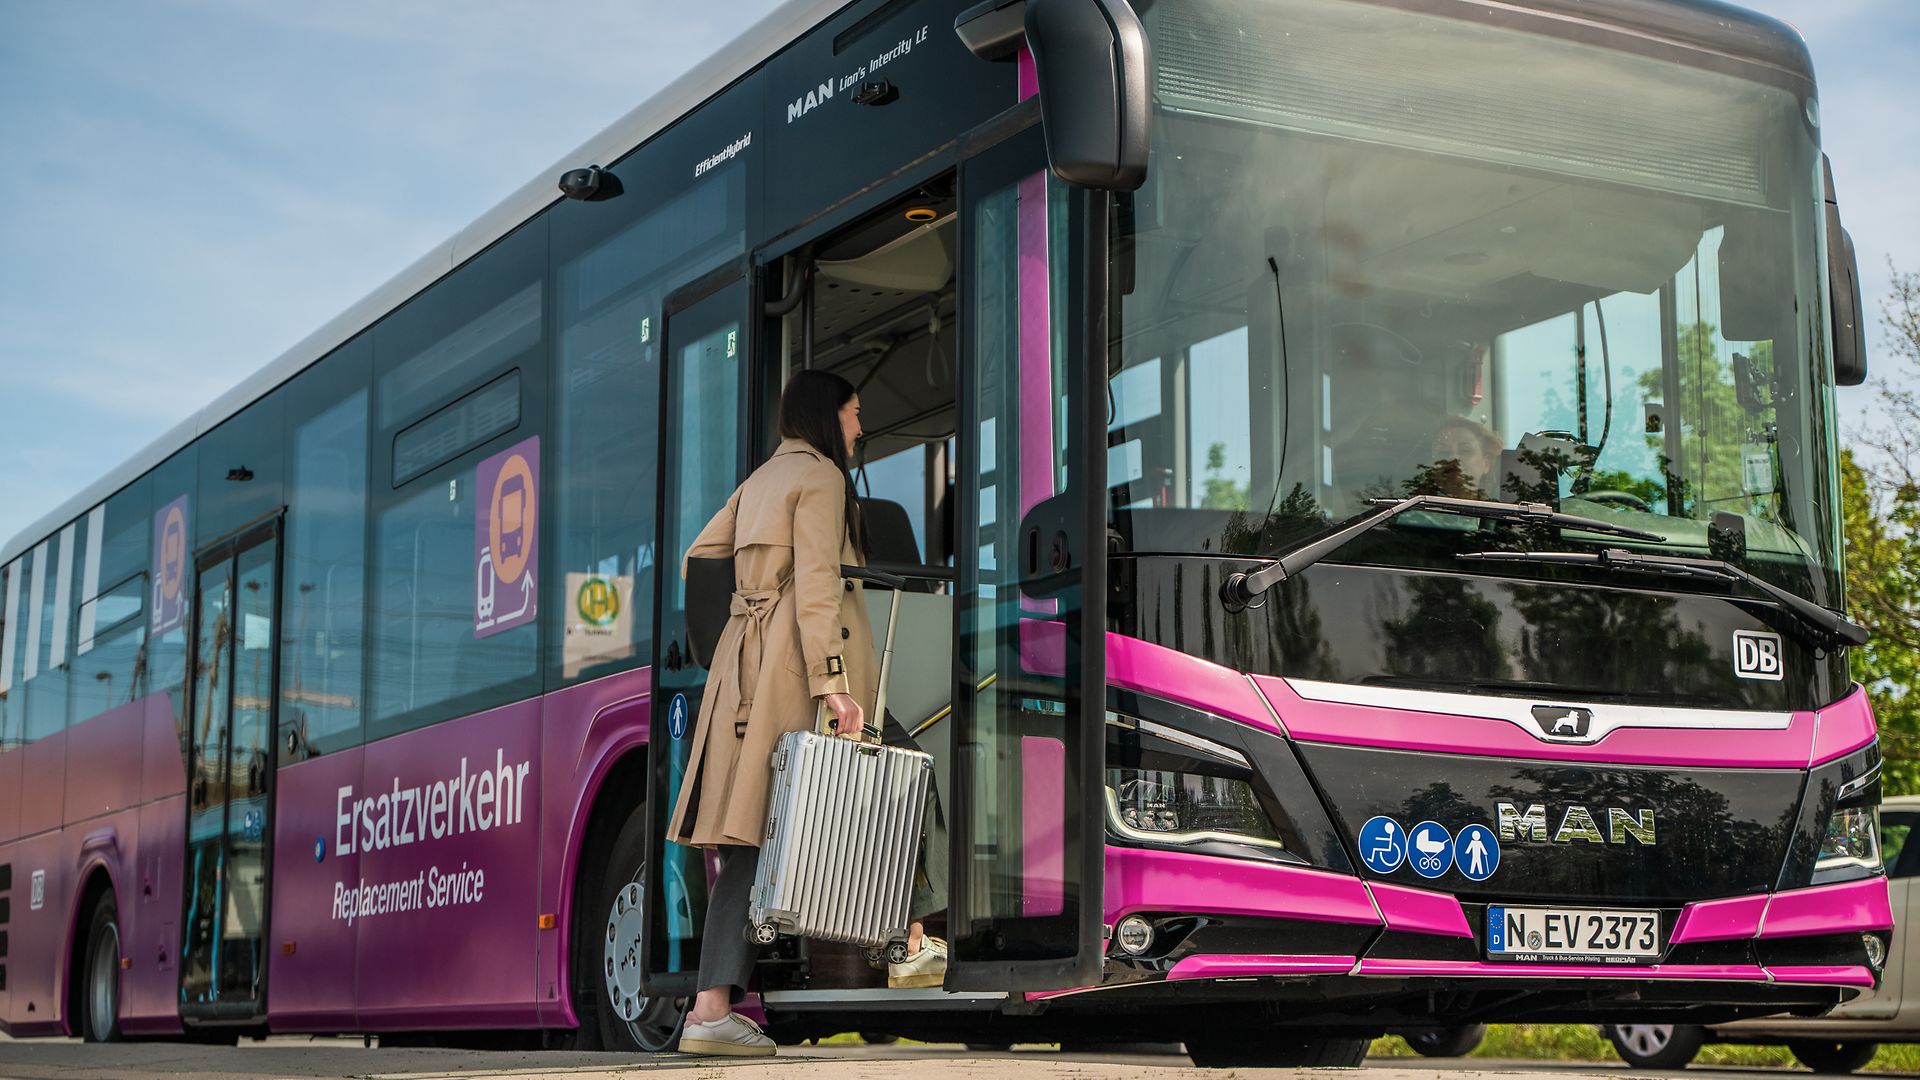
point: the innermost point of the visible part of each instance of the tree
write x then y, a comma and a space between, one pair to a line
1880, 504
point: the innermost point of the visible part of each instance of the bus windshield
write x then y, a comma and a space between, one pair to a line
1383, 253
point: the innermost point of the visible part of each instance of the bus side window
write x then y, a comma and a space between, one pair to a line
323, 631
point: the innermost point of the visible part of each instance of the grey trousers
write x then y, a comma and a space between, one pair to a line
726, 956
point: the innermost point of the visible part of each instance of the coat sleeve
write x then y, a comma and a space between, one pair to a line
819, 527
716, 539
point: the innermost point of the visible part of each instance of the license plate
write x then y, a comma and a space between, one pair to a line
1542, 933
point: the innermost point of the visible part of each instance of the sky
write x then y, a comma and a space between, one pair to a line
189, 187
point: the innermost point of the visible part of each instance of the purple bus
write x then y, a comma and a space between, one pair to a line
1362, 474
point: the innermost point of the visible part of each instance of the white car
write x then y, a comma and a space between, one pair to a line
1846, 1038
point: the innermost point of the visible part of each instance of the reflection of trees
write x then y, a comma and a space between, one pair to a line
1701, 838
1220, 492
1588, 637
1713, 425
1449, 630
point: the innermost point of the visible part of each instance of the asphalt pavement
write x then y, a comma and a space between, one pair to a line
68, 1059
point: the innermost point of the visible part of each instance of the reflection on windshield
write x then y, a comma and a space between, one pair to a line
1371, 262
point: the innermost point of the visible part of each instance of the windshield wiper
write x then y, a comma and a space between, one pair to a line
1241, 589
1825, 627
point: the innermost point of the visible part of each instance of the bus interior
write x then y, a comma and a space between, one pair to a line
877, 305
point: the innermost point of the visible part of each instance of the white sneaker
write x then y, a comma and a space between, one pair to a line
928, 967
732, 1035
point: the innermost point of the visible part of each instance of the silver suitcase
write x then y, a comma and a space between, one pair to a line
844, 819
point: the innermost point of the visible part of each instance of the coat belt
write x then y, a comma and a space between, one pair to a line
751, 607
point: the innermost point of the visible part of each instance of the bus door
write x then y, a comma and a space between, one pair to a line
1029, 608
702, 450
230, 771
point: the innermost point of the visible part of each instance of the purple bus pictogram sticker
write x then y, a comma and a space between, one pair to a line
506, 535
170, 543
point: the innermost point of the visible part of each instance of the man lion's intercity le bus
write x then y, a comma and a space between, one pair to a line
1363, 475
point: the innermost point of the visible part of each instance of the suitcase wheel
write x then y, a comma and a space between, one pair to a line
897, 952
764, 934
876, 957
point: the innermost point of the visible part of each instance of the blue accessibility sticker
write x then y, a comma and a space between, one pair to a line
1476, 852
677, 716
1383, 844
1431, 849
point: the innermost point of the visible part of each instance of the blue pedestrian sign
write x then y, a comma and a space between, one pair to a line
1431, 851
1476, 852
1383, 844
677, 717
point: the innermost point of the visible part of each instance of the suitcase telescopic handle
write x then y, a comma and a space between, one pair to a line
897, 584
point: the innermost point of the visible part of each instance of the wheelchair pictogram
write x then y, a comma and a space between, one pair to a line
1383, 845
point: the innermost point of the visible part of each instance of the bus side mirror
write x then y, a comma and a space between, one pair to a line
1090, 58
1843, 291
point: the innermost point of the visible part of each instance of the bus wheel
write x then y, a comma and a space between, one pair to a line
628, 1021
1276, 1052
1657, 1046
101, 1005
1830, 1056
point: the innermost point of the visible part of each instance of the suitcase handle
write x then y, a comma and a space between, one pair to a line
878, 577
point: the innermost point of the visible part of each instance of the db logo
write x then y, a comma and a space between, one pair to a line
1756, 655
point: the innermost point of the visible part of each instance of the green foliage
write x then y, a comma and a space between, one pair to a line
1221, 493
1713, 426
1880, 512
1583, 1042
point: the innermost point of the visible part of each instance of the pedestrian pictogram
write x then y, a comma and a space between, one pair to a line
1476, 852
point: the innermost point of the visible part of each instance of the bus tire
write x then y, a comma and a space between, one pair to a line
100, 987
1281, 1052
610, 947
1445, 1042
1657, 1046
1833, 1056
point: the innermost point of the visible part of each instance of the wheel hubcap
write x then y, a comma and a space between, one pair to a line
653, 1021
1646, 1039
103, 993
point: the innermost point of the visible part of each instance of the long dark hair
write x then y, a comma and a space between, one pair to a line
810, 411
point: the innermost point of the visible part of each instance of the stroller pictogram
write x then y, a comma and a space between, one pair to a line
1431, 849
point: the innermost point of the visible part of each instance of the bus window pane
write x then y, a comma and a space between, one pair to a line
326, 575
608, 292
432, 658
47, 687
10, 701
108, 674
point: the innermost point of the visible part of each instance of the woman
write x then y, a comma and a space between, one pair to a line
797, 637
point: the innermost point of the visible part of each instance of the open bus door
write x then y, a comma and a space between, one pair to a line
703, 368
230, 773
1029, 609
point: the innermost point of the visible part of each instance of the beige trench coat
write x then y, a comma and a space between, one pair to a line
797, 631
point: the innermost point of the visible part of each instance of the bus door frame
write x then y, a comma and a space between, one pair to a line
655, 979
1004, 150
224, 554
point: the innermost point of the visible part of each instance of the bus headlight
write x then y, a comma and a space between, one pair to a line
1852, 843
1162, 807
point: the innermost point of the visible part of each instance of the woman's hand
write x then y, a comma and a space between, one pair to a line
852, 719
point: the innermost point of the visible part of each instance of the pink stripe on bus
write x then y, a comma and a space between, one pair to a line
1823, 974
1029, 73
1446, 733
1043, 850
1829, 909
1482, 968
1133, 664
1231, 967
1144, 880
1036, 351
1843, 727
1719, 920
1420, 911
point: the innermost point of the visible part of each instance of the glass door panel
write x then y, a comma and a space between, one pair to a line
1029, 621
230, 770
700, 457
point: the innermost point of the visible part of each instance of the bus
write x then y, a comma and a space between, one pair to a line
1361, 480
